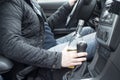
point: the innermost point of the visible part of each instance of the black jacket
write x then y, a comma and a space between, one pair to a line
22, 34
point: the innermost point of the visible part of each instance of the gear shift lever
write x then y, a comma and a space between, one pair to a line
77, 72
76, 34
79, 28
81, 46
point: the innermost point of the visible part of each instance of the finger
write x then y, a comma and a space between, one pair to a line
72, 51
82, 54
79, 59
75, 64
74, 55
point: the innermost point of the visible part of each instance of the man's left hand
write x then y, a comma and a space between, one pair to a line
72, 2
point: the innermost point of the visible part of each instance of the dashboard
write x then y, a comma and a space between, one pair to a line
108, 27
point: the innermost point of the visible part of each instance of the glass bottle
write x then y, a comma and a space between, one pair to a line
73, 41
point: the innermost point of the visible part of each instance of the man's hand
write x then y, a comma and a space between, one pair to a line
72, 2
72, 58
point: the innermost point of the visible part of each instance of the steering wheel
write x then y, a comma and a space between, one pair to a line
79, 8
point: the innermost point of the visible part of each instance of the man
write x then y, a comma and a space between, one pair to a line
24, 33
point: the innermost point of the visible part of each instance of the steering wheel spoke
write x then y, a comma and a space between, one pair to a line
79, 8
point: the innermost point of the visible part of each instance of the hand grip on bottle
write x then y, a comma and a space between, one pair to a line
81, 47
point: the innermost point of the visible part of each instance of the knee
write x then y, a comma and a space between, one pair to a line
91, 49
86, 31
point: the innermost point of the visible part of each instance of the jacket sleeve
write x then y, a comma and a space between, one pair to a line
12, 44
60, 16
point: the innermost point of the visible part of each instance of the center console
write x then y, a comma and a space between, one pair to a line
108, 30
104, 63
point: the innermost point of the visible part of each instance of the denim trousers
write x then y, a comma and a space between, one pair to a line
87, 34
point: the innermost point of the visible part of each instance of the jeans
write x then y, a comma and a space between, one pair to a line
88, 35
85, 31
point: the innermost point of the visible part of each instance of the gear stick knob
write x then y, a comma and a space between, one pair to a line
81, 46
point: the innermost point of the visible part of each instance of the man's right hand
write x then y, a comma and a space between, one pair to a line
72, 58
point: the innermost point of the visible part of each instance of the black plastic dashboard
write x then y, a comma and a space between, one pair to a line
106, 62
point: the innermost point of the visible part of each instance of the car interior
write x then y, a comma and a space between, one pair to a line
104, 17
